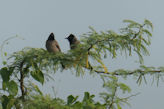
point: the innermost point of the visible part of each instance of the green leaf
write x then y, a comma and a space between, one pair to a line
37, 89
7, 102
10, 103
124, 87
12, 88
147, 42
147, 32
132, 24
139, 80
38, 76
4, 85
86, 96
71, 99
118, 106
148, 23
5, 54
129, 21
5, 74
4, 62
114, 52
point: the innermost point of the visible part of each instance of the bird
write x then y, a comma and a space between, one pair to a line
52, 46
73, 41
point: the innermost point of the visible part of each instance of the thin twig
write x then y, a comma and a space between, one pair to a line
135, 35
129, 97
129, 73
114, 94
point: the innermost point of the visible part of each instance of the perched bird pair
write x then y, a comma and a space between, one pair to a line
53, 46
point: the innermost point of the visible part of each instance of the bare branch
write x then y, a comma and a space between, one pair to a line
129, 73
22, 79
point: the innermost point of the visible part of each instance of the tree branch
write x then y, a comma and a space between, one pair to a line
91, 46
114, 94
22, 80
135, 35
129, 73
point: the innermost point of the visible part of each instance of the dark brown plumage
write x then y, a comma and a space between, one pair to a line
52, 45
73, 41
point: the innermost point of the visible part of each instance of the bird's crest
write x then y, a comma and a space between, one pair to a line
71, 37
51, 36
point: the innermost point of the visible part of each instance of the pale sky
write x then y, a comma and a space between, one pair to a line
34, 20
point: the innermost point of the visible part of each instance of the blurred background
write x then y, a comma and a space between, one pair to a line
34, 20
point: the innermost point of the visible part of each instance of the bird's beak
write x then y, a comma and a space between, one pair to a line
66, 38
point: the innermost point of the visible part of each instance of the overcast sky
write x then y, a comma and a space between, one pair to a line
34, 20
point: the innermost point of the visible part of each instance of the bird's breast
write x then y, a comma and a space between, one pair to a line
51, 46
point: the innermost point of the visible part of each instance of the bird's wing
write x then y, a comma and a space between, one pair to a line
77, 42
57, 45
74, 44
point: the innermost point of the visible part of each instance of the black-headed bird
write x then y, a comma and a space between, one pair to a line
53, 46
74, 42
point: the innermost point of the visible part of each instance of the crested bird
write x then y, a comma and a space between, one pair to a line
74, 42
53, 46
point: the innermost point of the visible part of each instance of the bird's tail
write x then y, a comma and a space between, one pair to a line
63, 66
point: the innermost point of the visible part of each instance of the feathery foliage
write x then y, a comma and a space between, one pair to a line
20, 93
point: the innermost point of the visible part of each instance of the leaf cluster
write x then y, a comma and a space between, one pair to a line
36, 63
